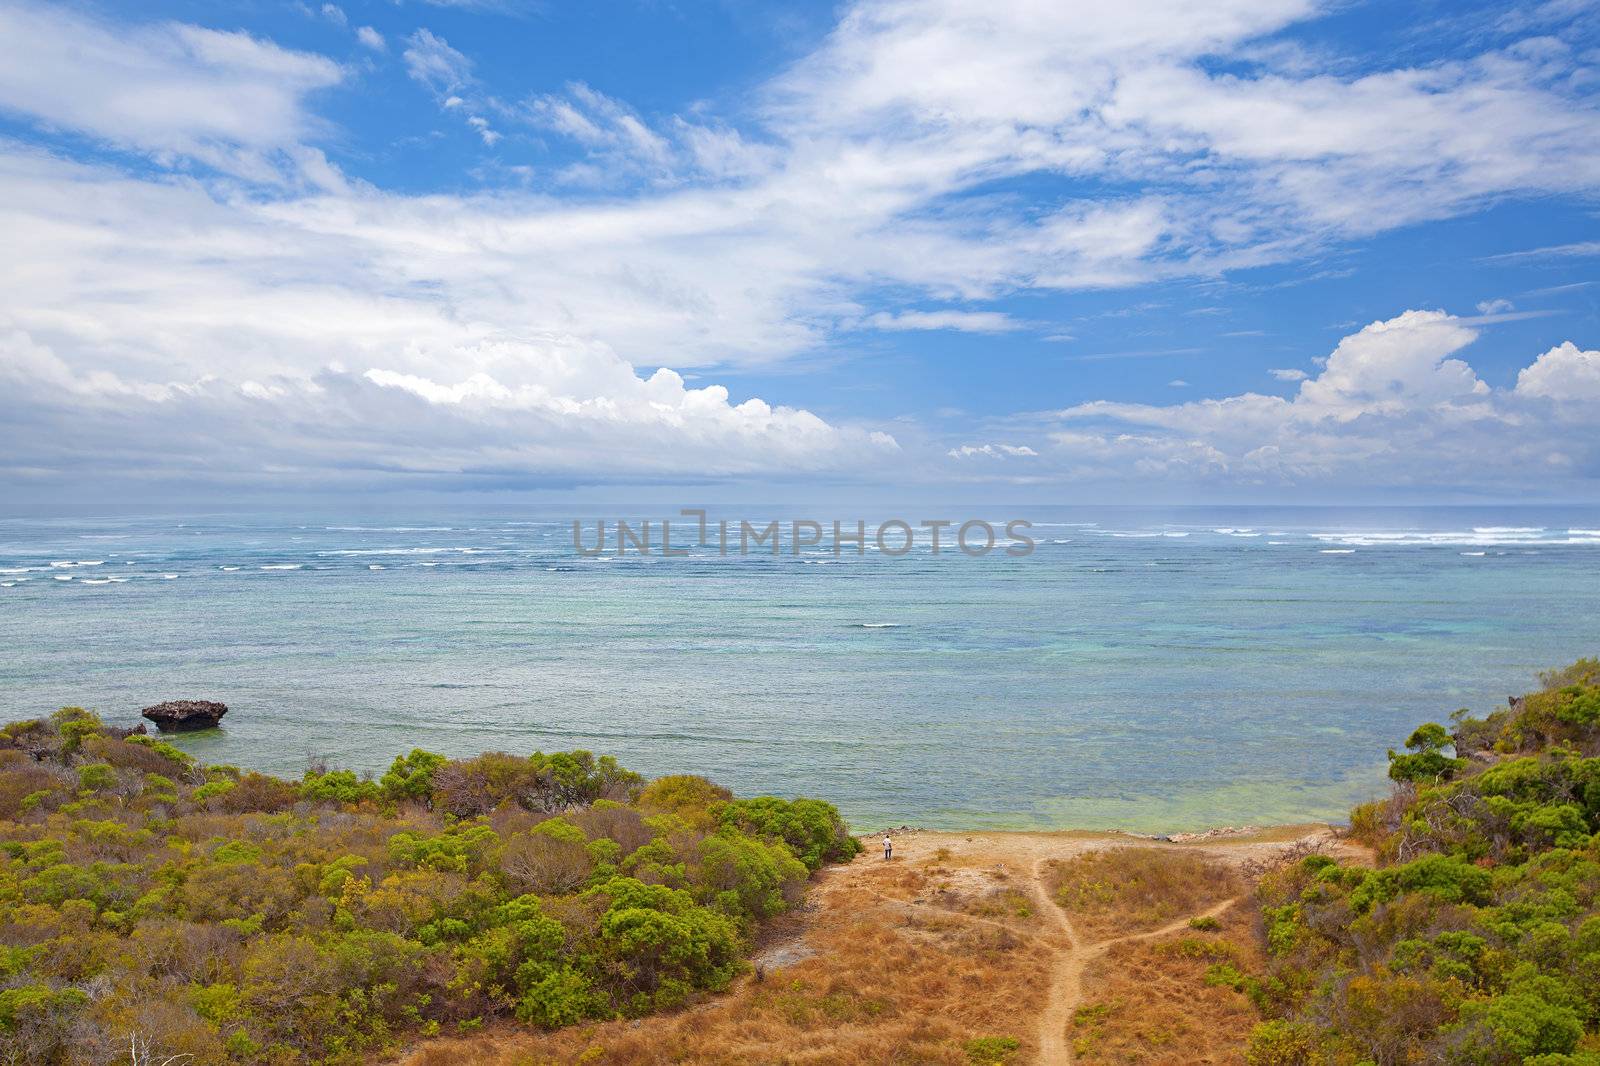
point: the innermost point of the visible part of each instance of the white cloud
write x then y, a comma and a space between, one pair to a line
1578, 250
1564, 373
485, 132
372, 332
961, 321
621, 145
1289, 374
1495, 307
600, 123
993, 451
1255, 165
1390, 407
170, 91
1390, 367
371, 38
431, 61
719, 153
501, 330
447, 73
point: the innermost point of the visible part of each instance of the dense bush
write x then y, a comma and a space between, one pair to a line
1476, 940
811, 828
148, 902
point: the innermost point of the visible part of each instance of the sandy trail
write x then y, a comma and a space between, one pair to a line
1066, 984
1031, 852
1066, 988
912, 914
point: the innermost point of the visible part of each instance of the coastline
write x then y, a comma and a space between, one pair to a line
1212, 679
1268, 834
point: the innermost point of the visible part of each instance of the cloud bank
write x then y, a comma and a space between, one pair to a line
196, 261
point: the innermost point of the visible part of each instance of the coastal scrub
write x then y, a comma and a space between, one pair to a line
147, 901
1476, 940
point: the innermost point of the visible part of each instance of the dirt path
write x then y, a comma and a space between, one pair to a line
1072, 957
1066, 983
940, 935
1071, 954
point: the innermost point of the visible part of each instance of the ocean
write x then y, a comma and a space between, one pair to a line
1141, 669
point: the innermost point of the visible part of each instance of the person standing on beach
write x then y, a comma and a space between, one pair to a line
888, 847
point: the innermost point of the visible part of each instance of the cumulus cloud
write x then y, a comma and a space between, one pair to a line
1563, 373
321, 336
993, 451
1391, 406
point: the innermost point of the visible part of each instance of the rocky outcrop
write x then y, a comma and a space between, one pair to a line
176, 716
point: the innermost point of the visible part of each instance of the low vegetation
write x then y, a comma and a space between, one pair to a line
864, 974
155, 909
1476, 940
530, 909
1134, 889
1173, 1000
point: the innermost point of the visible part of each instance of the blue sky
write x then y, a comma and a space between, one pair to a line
1275, 250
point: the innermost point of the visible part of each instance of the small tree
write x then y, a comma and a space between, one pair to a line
1428, 762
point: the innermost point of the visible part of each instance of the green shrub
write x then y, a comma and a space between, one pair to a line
337, 786
266, 921
97, 776
1519, 1024
1476, 940
991, 1050
560, 997
74, 725
811, 828
411, 776
1281, 1043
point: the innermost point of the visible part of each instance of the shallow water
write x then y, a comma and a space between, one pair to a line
1144, 670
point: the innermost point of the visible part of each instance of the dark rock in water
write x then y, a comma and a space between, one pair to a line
176, 716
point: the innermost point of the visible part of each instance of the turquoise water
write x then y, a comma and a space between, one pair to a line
1146, 670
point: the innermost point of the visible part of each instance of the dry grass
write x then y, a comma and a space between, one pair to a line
892, 981
1116, 891
915, 960
1147, 1001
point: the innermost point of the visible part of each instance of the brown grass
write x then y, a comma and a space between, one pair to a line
1147, 1001
1116, 891
892, 981
956, 940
